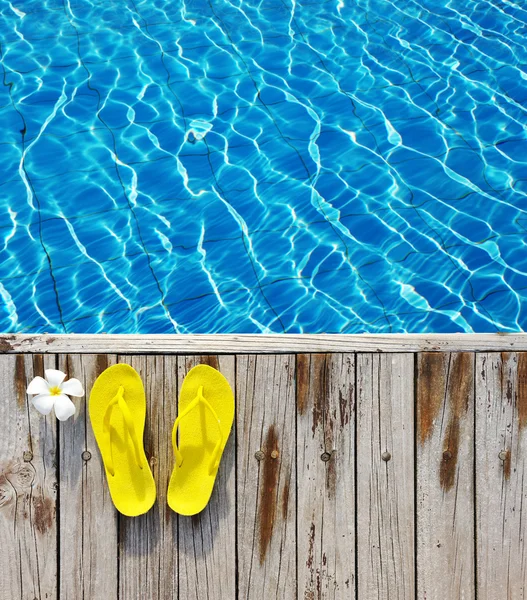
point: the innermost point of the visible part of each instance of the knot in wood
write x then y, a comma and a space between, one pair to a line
25, 476
5, 494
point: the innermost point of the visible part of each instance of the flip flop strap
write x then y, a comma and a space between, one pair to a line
215, 460
118, 399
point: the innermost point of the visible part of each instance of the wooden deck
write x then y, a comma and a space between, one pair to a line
350, 475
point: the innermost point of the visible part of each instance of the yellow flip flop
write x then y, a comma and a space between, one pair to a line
205, 416
117, 414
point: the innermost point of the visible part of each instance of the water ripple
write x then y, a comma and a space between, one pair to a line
227, 166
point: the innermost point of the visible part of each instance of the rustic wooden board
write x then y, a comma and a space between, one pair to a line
262, 343
266, 489
148, 544
445, 476
470, 536
385, 488
87, 518
28, 485
326, 476
501, 471
207, 542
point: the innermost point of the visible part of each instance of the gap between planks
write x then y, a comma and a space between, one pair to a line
292, 548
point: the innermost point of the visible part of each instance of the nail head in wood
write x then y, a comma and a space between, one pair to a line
86, 455
386, 456
274, 454
325, 456
447, 455
259, 455
28, 456
503, 455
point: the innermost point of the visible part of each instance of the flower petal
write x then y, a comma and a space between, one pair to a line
54, 377
43, 403
64, 407
38, 385
73, 387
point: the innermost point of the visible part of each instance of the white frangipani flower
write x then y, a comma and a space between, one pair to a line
52, 392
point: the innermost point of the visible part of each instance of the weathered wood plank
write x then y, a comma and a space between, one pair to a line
148, 544
262, 343
445, 476
88, 520
501, 472
266, 489
207, 542
28, 485
385, 512
326, 480
265, 494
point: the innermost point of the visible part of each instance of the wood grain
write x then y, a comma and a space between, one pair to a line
28, 485
312, 500
88, 520
266, 489
386, 511
262, 343
207, 541
326, 476
148, 543
501, 473
445, 476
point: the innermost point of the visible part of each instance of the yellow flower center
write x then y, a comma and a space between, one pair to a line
55, 390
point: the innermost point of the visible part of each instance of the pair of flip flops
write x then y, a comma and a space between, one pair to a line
117, 409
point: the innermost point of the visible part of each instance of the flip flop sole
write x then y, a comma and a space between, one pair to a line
191, 484
132, 486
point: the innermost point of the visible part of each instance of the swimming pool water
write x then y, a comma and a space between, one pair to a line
243, 166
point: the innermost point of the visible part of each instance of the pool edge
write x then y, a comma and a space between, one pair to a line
278, 343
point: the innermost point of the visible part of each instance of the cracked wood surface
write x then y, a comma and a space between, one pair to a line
326, 488
385, 476
501, 489
28, 485
445, 476
347, 475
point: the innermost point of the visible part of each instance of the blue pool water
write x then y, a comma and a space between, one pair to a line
243, 166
